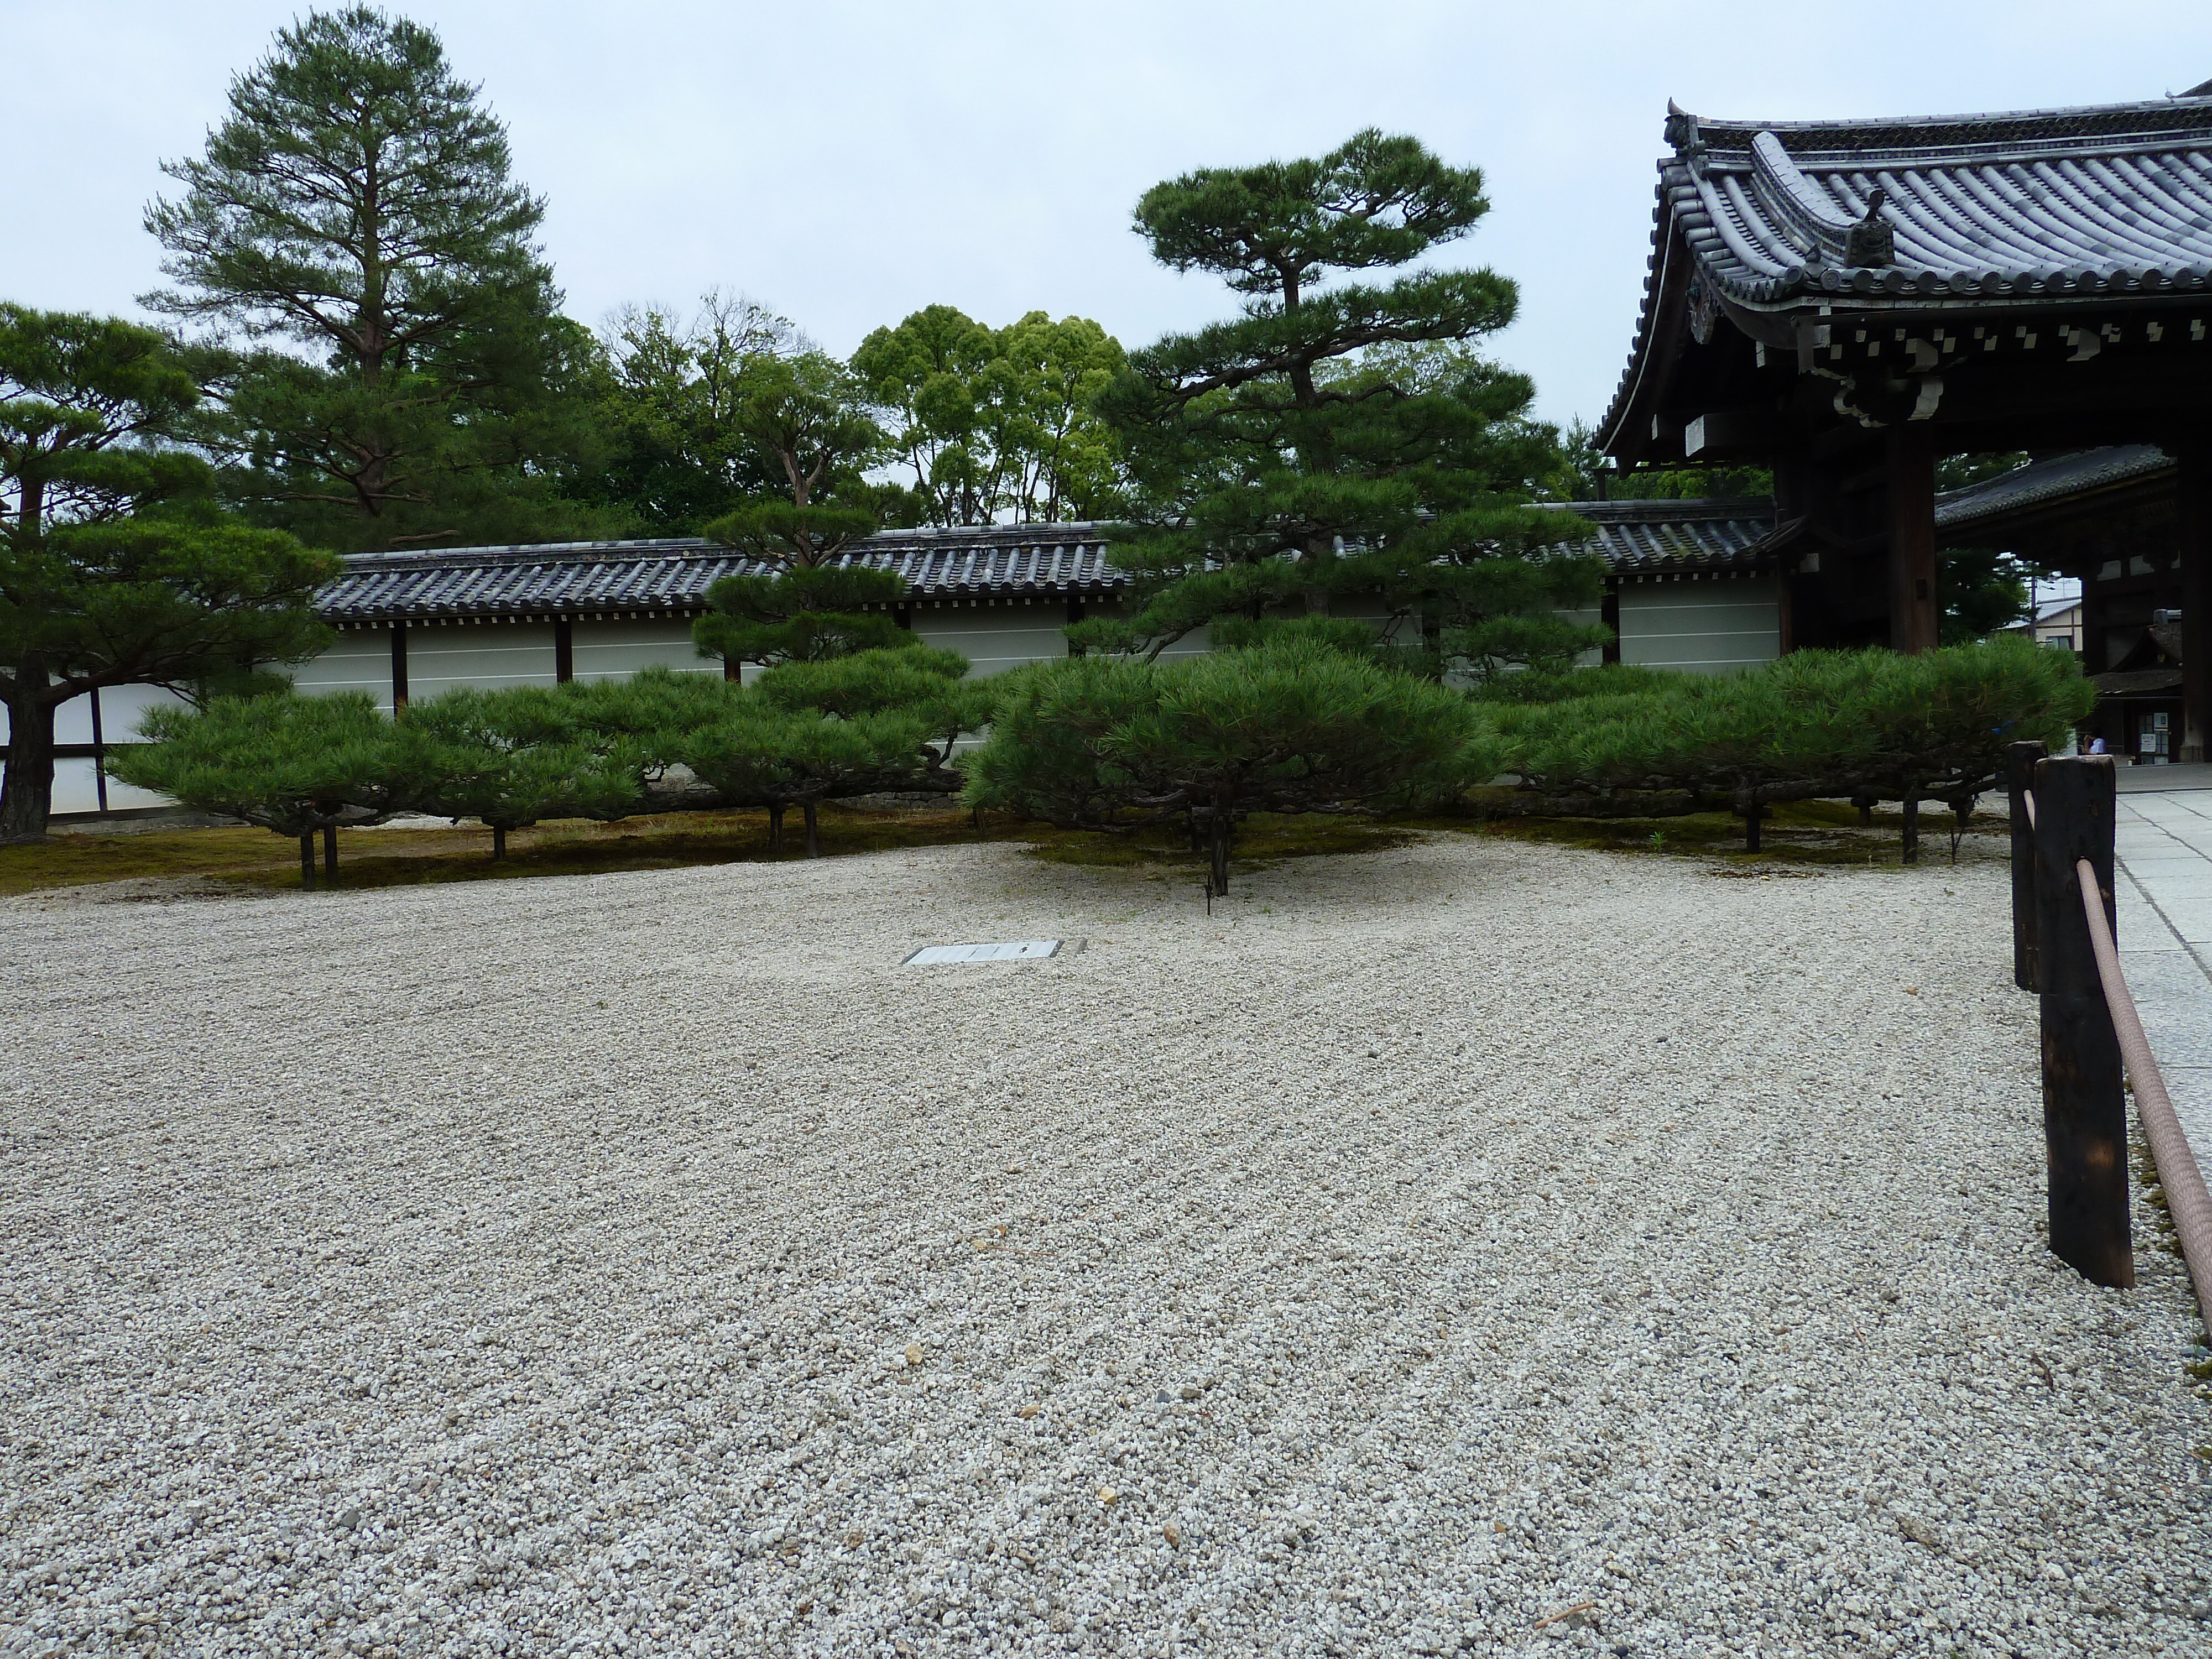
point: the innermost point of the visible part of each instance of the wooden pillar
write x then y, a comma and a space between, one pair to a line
2020, 780
564, 650
1913, 614
2193, 499
2085, 1110
399, 666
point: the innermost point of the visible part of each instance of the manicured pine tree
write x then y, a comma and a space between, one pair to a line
114, 568
1338, 436
808, 417
294, 765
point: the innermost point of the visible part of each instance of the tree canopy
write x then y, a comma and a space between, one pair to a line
1339, 434
994, 422
114, 567
356, 204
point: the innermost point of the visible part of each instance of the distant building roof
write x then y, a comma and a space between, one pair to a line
671, 575
582, 578
2042, 482
1709, 534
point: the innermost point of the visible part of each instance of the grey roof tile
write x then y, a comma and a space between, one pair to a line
2112, 201
2040, 481
1712, 533
577, 578
671, 576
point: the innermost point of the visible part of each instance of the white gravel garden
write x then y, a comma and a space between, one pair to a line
1469, 1247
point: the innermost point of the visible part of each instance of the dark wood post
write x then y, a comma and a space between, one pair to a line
330, 854
2020, 778
810, 811
307, 860
1912, 607
2193, 499
2085, 1117
399, 666
564, 650
99, 754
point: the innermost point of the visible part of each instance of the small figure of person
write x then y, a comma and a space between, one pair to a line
2097, 746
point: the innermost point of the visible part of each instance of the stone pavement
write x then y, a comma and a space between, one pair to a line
2165, 898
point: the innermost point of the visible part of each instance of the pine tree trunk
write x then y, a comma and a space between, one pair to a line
307, 860
776, 824
331, 854
26, 789
1751, 815
1222, 821
813, 830
498, 842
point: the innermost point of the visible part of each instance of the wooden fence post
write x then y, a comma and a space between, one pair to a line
2085, 1114
2020, 778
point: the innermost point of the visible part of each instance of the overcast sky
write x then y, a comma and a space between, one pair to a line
849, 162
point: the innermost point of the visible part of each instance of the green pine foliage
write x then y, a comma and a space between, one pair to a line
114, 567
1341, 435
879, 722
1871, 725
510, 758
291, 764
355, 204
1291, 725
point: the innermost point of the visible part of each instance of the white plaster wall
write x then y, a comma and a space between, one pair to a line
616, 650
359, 660
76, 782
1707, 625
1589, 616
481, 656
994, 637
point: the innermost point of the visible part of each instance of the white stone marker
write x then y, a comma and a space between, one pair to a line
1026, 950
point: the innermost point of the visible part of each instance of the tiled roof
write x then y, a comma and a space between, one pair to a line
571, 579
2101, 205
2116, 199
589, 578
2046, 481
1712, 533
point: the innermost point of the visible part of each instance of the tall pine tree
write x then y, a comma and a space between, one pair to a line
1340, 436
356, 202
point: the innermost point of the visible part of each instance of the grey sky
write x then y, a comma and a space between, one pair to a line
848, 163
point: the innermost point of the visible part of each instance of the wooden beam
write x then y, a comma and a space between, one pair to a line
564, 650
1913, 613
2193, 544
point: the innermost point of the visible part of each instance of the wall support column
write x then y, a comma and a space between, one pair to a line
2193, 499
1913, 615
399, 666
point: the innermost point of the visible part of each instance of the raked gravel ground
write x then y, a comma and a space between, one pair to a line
1433, 1244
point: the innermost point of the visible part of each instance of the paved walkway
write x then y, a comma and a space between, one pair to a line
2165, 894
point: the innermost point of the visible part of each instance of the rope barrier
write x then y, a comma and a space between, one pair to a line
2187, 1199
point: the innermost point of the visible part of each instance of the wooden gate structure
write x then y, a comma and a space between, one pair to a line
1847, 301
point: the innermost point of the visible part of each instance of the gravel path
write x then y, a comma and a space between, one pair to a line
1430, 1245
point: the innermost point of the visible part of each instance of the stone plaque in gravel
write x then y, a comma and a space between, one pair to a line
1027, 950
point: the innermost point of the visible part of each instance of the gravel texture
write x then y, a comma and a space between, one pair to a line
1430, 1245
